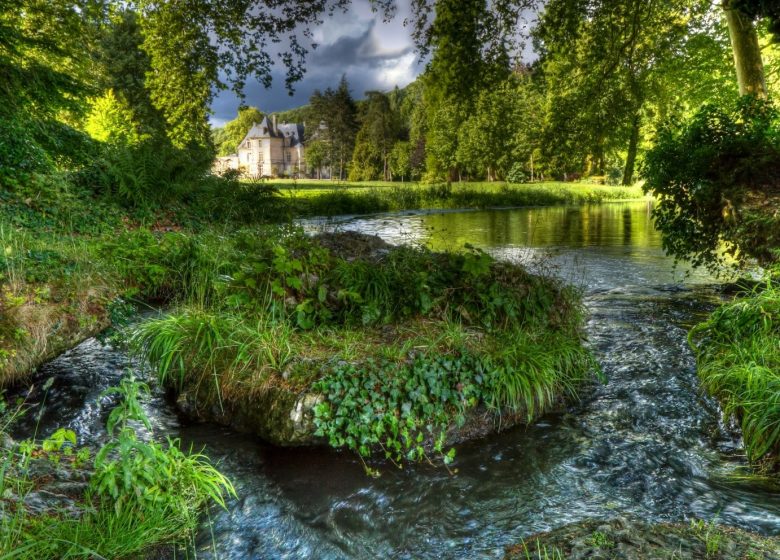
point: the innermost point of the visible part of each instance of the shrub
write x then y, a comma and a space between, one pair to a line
132, 474
716, 180
142, 496
406, 410
152, 266
20, 154
517, 174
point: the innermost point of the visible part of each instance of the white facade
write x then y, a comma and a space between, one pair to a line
271, 150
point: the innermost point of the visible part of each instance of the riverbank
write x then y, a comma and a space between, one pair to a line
635, 540
324, 198
738, 357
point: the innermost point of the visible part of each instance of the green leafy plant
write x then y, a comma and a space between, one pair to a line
600, 540
709, 534
132, 473
403, 410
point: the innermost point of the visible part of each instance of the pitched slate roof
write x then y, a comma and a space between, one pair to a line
265, 129
293, 131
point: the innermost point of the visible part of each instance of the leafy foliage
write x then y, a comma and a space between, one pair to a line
398, 410
406, 410
276, 298
380, 130
336, 109
141, 495
153, 267
230, 136
137, 475
716, 177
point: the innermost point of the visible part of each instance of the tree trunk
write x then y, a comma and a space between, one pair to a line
747, 53
628, 172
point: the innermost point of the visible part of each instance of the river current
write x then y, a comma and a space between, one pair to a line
646, 444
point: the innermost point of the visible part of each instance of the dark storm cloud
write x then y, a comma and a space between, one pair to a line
277, 98
363, 49
372, 55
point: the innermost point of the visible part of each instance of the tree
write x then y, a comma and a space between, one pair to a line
317, 153
740, 15
459, 68
503, 129
400, 161
380, 129
123, 67
44, 61
716, 180
472, 44
606, 64
227, 138
337, 110
112, 121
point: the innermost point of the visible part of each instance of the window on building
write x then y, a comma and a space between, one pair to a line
289, 157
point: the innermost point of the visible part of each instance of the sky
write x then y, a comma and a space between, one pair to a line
374, 55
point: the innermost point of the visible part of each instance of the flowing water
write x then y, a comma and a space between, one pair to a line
645, 444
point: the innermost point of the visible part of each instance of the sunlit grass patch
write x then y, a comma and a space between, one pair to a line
738, 353
360, 198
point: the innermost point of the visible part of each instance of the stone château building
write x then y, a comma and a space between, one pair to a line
268, 150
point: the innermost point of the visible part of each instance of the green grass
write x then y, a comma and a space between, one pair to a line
256, 305
738, 354
538, 552
325, 198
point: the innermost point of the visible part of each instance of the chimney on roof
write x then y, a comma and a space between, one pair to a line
274, 121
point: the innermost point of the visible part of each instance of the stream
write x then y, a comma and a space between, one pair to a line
647, 443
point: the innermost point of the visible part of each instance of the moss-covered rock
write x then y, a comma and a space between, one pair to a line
34, 332
278, 415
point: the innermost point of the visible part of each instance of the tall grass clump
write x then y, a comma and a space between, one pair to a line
142, 496
534, 373
224, 352
738, 354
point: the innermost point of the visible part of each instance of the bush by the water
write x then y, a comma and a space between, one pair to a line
717, 181
738, 353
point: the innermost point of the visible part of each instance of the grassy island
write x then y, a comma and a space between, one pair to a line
344, 339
